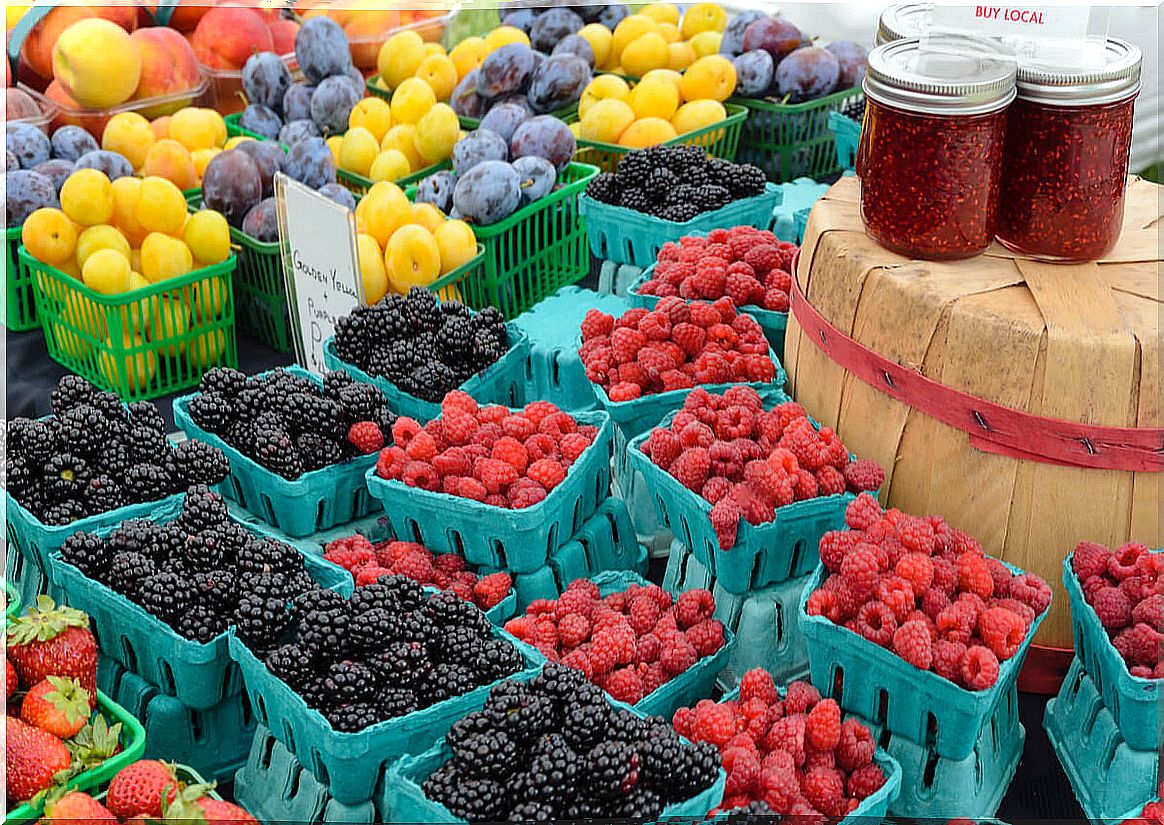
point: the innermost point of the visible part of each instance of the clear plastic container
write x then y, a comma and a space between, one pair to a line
1066, 160
45, 110
227, 85
366, 48
931, 149
93, 120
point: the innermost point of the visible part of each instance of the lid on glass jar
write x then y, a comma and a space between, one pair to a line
903, 75
1117, 79
902, 21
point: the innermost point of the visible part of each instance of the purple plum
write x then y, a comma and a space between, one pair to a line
504, 118
311, 163
56, 170
775, 35
478, 146
754, 73
547, 137
70, 142
332, 103
558, 82
30, 145
538, 177
338, 193
807, 74
576, 45
297, 102
112, 164
296, 130
262, 221
506, 71
552, 26
26, 191
853, 59
488, 193
232, 185
732, 43
465, 100
321, 48
262, 120
437, 189
268, 157
265, 80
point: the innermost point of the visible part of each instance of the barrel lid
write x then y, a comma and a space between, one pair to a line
903, 75
1117, 79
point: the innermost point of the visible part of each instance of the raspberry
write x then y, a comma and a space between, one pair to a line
948, 656
547, 472
366, 437
1150, 612
416, 566
716, 489
787, 734
780, 789
834, 546
762, 259
1031, 591
1122, 562
979, 668
757, 683
525, 492
823, 728
726, 460
538, 411
1024, 612
945, 576
855, 745
743, 769
860, 569
918, 570
824, 603
805, 485
933, 602
1089, 559
829, 481
876, 622
912, 642
825, 790
862, 512
490, 590
449, 563
696, 434
1113, 608
643, 614
706, 637
725, 520
404, 429
897, 594
694, 606
512, 452
624, 685
676, 654
917, 534
423, 475
974, 576
422, 447
518, 427
390, 463
800, 696
865, 781
735, 421
692, 468
453, 462
472, 489
956, 623
716, 723
1139, 645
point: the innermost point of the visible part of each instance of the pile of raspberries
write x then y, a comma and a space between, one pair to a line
489, 454
747, 461
1125, 588
749, 266
367, 562
927, 592
628, 643
790, 756
675, 346
1153, 812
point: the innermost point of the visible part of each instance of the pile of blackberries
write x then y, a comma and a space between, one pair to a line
676, 183
95, 454
425, 347
555, 748
287, 422
199, 573
388, 650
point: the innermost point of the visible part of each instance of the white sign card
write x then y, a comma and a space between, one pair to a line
1040, 22
320, 266
1066, 36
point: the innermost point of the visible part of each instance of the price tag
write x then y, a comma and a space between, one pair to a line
320, 266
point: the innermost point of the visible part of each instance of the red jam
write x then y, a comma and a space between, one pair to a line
1066, 164
930, 182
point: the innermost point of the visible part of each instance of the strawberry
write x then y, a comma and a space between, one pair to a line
141, 787
77, 808
54, 641
11, 682
58, 705
193, 805
32, 760
220, 812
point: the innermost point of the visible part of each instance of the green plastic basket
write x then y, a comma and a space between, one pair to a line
502, 382
628, 237
720, 140
11, 602
878, 685
535, 251
20, 311
132, 746
97, 336
793, 140
847, 134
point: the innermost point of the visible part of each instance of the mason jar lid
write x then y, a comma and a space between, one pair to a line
1118, 79
902, 21
902, 75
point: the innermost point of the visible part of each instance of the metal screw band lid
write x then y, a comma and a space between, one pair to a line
1118, 79
902, 75
902, 21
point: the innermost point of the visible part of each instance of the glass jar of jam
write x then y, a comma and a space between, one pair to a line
931, 149
1066, 160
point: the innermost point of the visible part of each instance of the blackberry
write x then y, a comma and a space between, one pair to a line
88, 553
70, 391
514, 708
223, 380
754, 813
370, 629
110, 406
260, 621
61, 513
147, 445
271, 420
552, 777
212, 412
200, 623
19, 477
216, 589
133, 534
486, 755
612, 769
103, 494
351, 682
251, 401
533, 812
148, 482
318, 451
637, 200
317, 599
695, 770
420, 310
394, 702
748, 181
167, 546
558, 682
711, 197
447, 681
82, 429
354, 717
453, 309
402, 663
292, 664
333, 382
605, 188
240, 435
488, 349
128, 569
467, 726
496, 659
311, 413
447, 611
476, 800
114, 460
325, 634
145, 414
314, 692
259, 555
17, 432
38, 442
360, 402
679, 212
455, 339
202, 508
65, 476
271, 586
276, 451
460, 645
640, 803
166, 594
585, 723
406, 592
659, 184
197, 462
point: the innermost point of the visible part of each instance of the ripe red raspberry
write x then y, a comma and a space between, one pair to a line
624, 685
611, 647
778, 279
421, 447
743, 770
696, 434
933, 602
979, 668
525, 492
624, 392
706, 637
800, 696
897, 594
834, 546
485, 437
776, 300
390, 463
1113, 608
512, 452
490, 590
780, 790
595, 324
572, 446
716, 489
541, 445
692, 468
762, 259
676, 654
714, 723
449, 563
694, 606
578, 660
865, 781
366, 437
823, 728
547, 472
855, 745
726, 460
404, 429
757, 683
472, 489
1139, 645
917, 534
787, 734
948, 657
860, 570
423, 475
416, 566
864, 474
452, 462
945, 576
734, 421
725, 520
495, 475
974, 576
824, 603
648, 647
912, 642
643, 614
1150, 611
876, 622
956, 623
829, 481
1089, 559
1122, 562
743, 288
862, 512
1031, 591
825, 791
918, 569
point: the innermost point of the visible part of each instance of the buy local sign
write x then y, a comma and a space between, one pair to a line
1039, 22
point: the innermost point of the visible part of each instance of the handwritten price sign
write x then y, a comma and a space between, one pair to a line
320, 266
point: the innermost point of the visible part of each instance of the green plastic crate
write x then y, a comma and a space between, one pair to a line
20, 310
626, 236
132, 745
719, 139
878, 685
793, 140
535, 251
502, 382
11, 602
97, 336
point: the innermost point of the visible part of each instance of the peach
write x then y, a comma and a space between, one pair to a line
97, 63
366, 28
71, 112
186, 13
168, 65
172, 161
38, 47
227, 35
283, 34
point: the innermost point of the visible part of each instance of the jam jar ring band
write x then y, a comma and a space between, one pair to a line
992, 427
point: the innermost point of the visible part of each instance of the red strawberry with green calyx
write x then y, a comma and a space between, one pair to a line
194, 804
77, 808
34, 760
54, 641
142, 788
58, 705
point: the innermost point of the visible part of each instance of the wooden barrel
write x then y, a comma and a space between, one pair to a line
1072, 343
